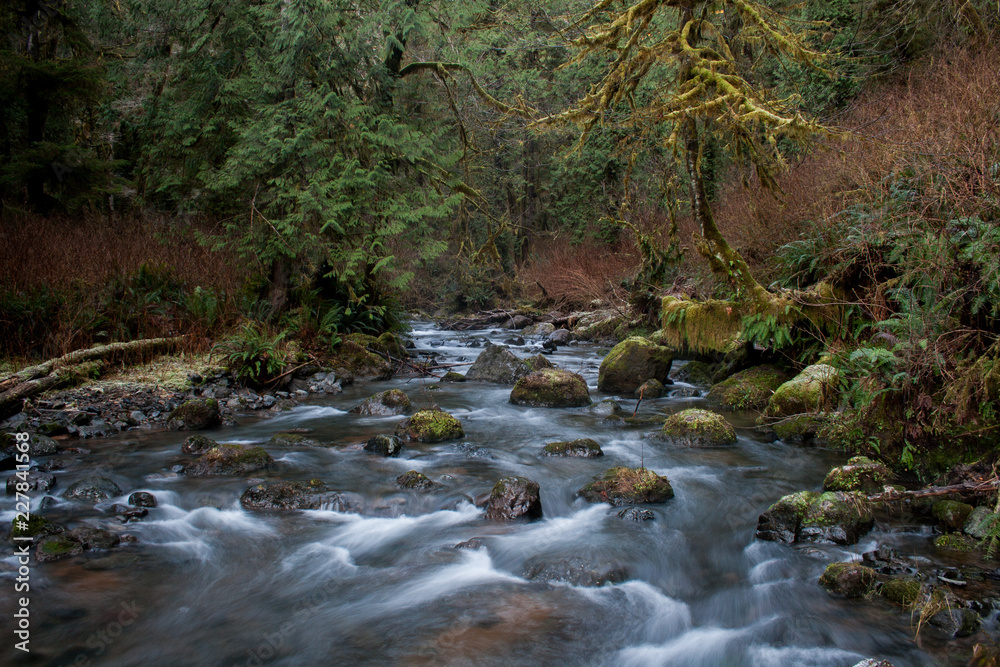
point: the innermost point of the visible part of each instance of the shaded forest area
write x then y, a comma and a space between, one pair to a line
260, 173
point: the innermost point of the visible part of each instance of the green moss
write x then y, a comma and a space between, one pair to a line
584, 448
412, 479
198, 413
904, 592
956, 542
430, 426
851, 580
354, 358
627, 486
750, 389
799, 427
551, 388
391, 345
452, 376
632, 362
805, 393
694, 427
291, 440
37, 525
701, 327
860, 474
951, 514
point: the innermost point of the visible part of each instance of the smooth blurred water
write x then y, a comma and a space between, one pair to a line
216, 585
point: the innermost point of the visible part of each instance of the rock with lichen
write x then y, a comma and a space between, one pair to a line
413, 479
698, 428
551, 388
430, 426
497, 364
622, 486
300, 495
750, 389
389, 402
860, 474
581, 448
851, 580
230, 461
822, 518
632, 362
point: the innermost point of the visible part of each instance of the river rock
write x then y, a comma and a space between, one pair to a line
95, 489
698, 372
230, 461
576, 571
582, 448
823, 518
389, 402
514, 498
34, 482
951, 514
36, 528
196, 414
551, 388
93, 538
628, 486
412, 479
538, 362
957, 622
609, 407
540, 329
560, 337
698, 428
311, 495
197, 444
860, 474
384, 445
498, 365
142, 499
636, 514
452, 376
291, 440
632, 362
805, 393
851, 580
652, 388
430, 426
750, 389
38, 445
980, 520
56, 547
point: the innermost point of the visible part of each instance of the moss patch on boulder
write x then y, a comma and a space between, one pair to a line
951, 514
514, 498
823, 518
582, 448
291, 440
852, 580
197, 413
497, 364
698, 428
430, 426
452, 376
230, 460
651, 388
805, 393
412, 479
701, 327
904, 591
860, 474
354, 358
750, 389
551, 388
628, 486
389, 402
632, 362
955, 542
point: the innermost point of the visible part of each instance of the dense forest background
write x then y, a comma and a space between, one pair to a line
311, 168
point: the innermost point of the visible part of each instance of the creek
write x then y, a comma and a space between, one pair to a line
208, 583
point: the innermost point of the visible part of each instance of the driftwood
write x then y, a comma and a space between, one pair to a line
70, 368
481, 320
931, 491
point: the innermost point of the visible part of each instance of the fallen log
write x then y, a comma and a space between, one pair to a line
931, 491
108, 351
13, 399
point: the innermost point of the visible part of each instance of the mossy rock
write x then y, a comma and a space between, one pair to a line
37, 527
551, 388
430, 426
951, 514
353, 358
389, 402
750, 389
651, 388
56, 547
851, 580
823, 518
230, 461
582, 448
391, 345
197, 414
412, 479
622, 486
93, 489
701, 327
782, 520
632, 362
609, 407
699, 428
805, 393
291, 440
956, 542
904, 591
698, 372
38, 444
497, 364
538, 362
197, 444
860, 474
299, 495
540, 329
514, 498
452, 376
384, 445
981, 520
798, 428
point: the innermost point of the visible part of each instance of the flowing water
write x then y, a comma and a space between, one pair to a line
211, 584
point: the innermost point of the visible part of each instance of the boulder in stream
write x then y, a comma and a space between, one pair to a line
851, 580
196, 414
230, 461
38, 445
628, 486
94, 489
514, 498
699, 428
311, 495
823, 518
430, 426
291, 440
197, 444
860, 474
652, 388
581, 448
412, 479
577, 571
498, 365
749, 389
142, 499
384, 445
551, 388
33, 482
389, 402
632, 362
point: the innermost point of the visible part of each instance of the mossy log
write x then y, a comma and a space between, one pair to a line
70, 368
